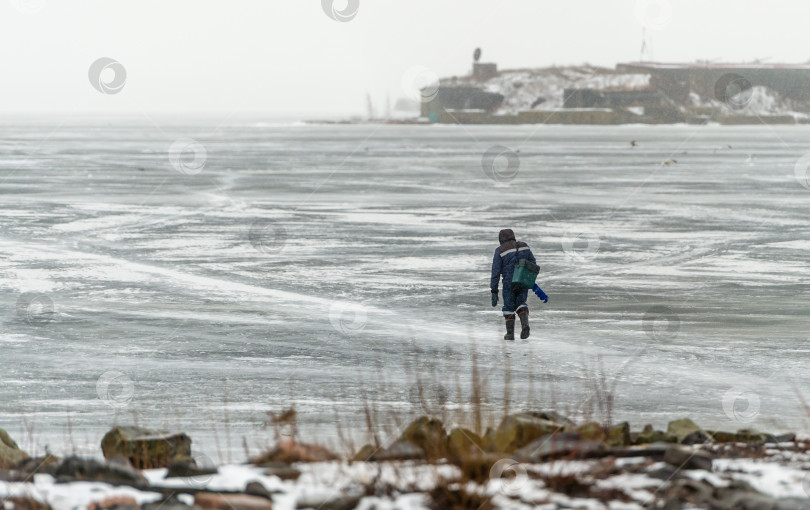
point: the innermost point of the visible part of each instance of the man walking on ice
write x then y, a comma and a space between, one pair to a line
512, 254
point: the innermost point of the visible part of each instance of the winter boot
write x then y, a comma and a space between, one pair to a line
524, 324
510, 328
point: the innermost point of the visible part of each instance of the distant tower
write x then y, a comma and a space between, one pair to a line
477, 55
646, 50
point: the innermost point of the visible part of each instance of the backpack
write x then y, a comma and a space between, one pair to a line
525, 273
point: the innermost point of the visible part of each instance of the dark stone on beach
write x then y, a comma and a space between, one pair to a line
649, 435
696, 437
559, 445
518, 430
188, 468
76, 469
257, 488
782, 438
281, 470
619, 435
724, 437
684, 458
739, 495
429, 435
343, 502
696, 492
400, 450
144, 448
664, 472
741, 436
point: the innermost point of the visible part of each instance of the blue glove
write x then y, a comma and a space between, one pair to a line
494, 298
539, 293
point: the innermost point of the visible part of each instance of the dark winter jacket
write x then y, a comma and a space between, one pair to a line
503, 263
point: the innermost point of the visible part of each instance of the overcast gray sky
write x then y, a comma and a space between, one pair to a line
288, 57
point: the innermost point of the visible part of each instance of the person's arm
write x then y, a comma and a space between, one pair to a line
531, 257
496, 272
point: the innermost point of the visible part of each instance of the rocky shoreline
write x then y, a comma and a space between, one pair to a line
530, 460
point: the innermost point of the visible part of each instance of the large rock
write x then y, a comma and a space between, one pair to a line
518, 430
649, 435
559, 445
144, 448
10, 453
591, 432
688, 432
429, 435
746, 436
619, 435
462, 442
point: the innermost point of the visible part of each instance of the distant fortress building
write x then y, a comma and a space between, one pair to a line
633, 92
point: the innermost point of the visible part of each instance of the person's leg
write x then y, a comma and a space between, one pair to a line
509, 313
522, 310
